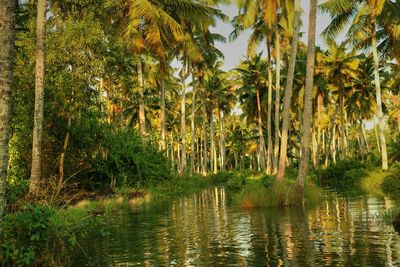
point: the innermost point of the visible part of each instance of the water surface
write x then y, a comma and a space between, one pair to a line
203, 230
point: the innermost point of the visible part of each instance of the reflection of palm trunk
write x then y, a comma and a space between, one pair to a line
36, 171
7, 37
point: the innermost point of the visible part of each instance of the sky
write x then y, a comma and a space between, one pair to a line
236, 50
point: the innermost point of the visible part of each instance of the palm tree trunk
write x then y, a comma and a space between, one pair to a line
7, 39
192, 134
333, 144
163, 144
261, 150
64, 150
288, 94
315, 149
204, 108
36, 170
222, 139
319, 126
172, 152
343, 152
381, 121
212, 138
277, 97
269, 114
205, 170
378, 144
142, 116
364, 136
183, 123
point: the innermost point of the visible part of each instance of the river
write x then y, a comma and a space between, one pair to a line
203, 230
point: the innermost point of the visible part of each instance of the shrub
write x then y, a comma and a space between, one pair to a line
179, 185
236, 183
343, 173
129, 160
221, 177
40, 236
16, 189
391, 183
268, 180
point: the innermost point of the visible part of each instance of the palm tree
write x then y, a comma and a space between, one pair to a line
259, 16
367, 17
152, 27
214, 84
7, 36
252, 73
36, 171
339, 67
307, 115
288, 94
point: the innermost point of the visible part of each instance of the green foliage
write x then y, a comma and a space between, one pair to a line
236, 183
221, 177
268, 180
394, 149
343, 174
372, 184
129, 160
40, 236
391, 183
178, 186
16, 189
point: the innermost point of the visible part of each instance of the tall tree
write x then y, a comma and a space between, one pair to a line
36, 171
366, 16
7, 37
308, 114
288, 93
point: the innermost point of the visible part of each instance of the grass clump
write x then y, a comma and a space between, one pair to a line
266, 192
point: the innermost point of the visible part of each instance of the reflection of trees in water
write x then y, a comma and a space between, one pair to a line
201, 230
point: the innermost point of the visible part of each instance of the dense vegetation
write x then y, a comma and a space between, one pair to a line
98, 108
